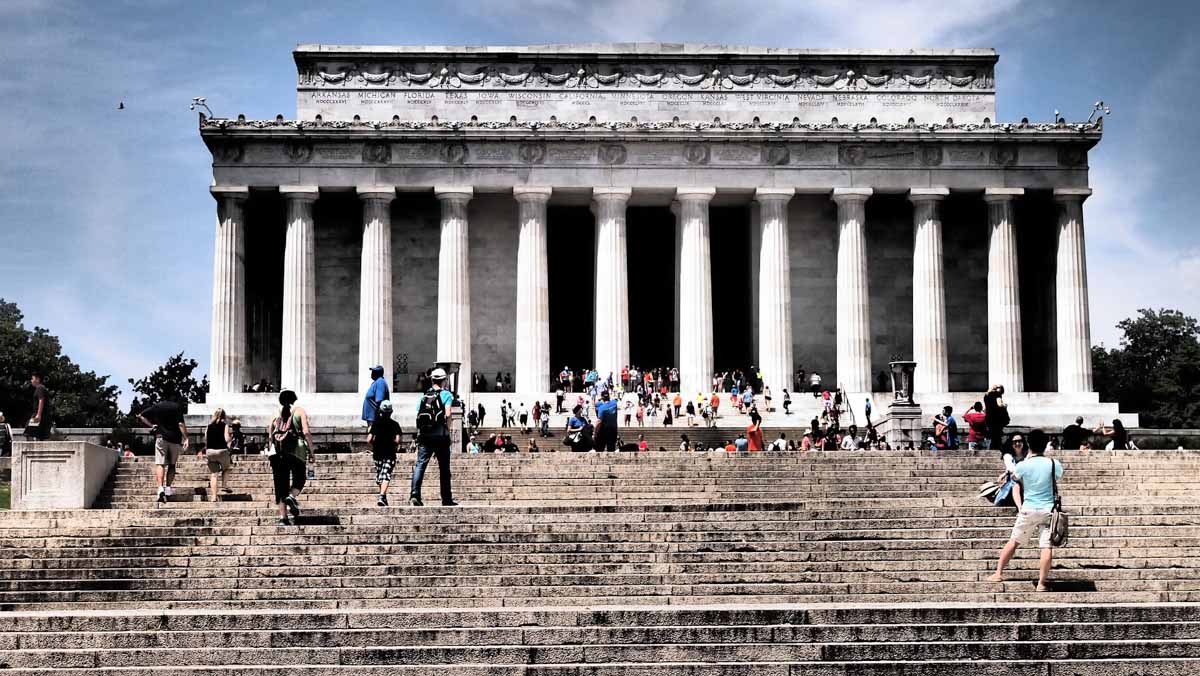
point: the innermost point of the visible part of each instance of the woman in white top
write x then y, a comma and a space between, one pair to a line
1011, 454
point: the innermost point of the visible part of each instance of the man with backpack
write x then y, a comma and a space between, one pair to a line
1038, 476
165, 419
433, 437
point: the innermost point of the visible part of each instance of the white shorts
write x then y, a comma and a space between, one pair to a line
1026, 521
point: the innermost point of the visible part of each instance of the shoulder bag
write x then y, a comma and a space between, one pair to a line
1058, 518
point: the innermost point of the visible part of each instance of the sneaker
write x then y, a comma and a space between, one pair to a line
415, 501
292, 505
382, 502
451, 503
162, 498
283, 522
170, 490
226, 490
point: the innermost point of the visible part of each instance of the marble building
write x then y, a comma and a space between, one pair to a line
516, 209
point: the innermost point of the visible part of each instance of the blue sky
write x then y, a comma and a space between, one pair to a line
106, 222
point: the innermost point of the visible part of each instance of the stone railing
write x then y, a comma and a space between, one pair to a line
59, 474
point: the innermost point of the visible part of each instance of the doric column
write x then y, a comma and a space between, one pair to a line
298, 360
929, 292
533, 292
375, 284
612, 280
853, 297
454, 282
695, 292
1071, 302
774, 287
1005, 360
227, 370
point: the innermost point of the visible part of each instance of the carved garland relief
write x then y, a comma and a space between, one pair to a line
838, 78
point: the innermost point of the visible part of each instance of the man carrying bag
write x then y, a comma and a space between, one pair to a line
1041, 510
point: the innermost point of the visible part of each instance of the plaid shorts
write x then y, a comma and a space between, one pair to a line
383, 470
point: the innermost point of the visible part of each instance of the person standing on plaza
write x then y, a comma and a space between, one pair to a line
523, 418
433, 438
977, 438
559, 396
290, 445
867, 410
606, 419
6, 437
503, 413
814, 384
377, 393
754, 433
482, 413
996, 413
1073, 435
217, 438
384, 439
38, 427
171, 439
1038, 476
1117, 435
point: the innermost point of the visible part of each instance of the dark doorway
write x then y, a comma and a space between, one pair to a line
729, 241
650, 247
264, 235
571, 241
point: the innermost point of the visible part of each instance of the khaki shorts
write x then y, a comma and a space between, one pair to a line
1026, 521
218, 461
166, 452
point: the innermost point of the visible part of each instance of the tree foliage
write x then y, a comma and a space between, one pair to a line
173, 381
1156, 370
79, 398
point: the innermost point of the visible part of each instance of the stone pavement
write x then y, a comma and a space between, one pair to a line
655, 563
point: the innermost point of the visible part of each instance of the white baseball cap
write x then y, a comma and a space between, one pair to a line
438, 374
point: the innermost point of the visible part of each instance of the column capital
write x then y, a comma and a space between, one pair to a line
230, 192
1072, 194
453, 192
376, 192
764, 194
611, 193
851, 194
928, 194
1002, 194
694, 194
300, 192
529, 193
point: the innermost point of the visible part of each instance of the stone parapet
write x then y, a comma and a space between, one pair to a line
59, 474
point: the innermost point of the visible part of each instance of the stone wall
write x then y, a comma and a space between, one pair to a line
338, 219
493, 251
416, 228
812, 240
965, 257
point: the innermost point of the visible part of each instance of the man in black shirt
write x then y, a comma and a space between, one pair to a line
171, 438
38, 428
1073, 435
384, 437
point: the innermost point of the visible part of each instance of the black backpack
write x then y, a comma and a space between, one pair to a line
284, 437
431, 416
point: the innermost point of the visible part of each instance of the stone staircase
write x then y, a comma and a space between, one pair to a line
647, 563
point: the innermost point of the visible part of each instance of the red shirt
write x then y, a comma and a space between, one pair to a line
977, 426
755, 436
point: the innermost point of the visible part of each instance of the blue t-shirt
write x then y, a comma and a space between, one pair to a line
377, 392
607, 412
741, 444
1036, 487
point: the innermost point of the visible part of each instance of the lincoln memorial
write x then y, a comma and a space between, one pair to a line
711, 207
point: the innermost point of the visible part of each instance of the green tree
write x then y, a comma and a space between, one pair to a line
173, 381
79, 398
1156, 370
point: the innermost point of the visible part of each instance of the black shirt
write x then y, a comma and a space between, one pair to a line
214, 437
1072, 437
168, 416
384, 432
41, 395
